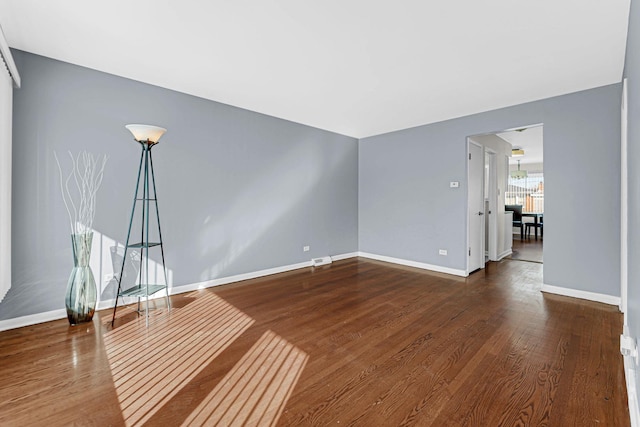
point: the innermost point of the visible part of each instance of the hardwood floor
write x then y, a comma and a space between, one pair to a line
358, 342
527, 250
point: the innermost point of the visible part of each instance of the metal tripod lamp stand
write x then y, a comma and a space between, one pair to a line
148, 136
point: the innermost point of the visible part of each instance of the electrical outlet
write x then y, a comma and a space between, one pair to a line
442, 252
305, 249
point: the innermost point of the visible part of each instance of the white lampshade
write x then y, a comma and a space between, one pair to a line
143, 133
518, 174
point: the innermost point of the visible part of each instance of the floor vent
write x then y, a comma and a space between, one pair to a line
321, 261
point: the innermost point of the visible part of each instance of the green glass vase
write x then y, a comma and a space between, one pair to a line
80, 298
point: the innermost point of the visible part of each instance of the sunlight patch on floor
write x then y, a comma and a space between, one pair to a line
151, 365
256, 390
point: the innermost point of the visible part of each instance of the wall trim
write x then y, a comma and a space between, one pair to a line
180, 289
505, 254
344, 256
174, 290
238, 278
575, 293
424, 266
624, 203
631, 383
632, 390
33, 319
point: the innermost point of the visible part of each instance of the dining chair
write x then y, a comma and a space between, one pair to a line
530, 225
517, 218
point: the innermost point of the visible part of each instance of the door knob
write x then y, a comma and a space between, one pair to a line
480, 213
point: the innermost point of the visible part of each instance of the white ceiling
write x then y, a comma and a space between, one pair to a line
356, 67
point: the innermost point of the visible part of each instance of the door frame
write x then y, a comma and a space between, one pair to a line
491, 216
624, 204
482, 238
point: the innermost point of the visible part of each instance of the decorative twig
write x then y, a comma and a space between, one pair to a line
64, 199
87, 173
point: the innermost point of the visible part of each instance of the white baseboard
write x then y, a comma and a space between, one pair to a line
632, 387
344, 256
32, 319
238, 278
106, 304
505, 254
245, 276
632, 390
174, 290
575, 293
424, 266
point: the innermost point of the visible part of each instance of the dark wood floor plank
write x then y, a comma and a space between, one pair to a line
358, 342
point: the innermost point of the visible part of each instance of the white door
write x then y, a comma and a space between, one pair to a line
476, 207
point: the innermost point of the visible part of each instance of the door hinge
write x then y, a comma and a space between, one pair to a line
469, 251
469, 156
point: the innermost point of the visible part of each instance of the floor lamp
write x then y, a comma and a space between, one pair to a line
148, 136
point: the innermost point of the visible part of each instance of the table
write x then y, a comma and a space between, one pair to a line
536, 216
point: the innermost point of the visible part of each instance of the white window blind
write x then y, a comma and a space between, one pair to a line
8, 76
528, 192
6, 102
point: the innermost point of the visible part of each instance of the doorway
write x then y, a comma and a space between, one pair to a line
490, 229
526, 189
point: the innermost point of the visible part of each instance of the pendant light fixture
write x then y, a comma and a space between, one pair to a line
519, 174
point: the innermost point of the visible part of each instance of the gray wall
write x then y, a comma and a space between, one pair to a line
408, 211
238, 191
632, 72
241, 192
